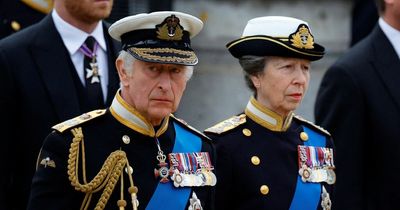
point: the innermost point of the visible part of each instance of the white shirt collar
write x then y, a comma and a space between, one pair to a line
392, 34
73, 37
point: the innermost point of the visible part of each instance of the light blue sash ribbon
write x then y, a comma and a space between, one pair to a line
307, 194
166, 196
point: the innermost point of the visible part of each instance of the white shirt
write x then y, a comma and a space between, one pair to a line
392, 34
73, 39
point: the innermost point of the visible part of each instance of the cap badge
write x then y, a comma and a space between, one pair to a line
302, 38
170, 29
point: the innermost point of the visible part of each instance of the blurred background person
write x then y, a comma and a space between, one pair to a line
364, 16
18, 14
359, 103
49, 72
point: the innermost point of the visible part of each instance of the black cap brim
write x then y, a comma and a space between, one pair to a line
270, 46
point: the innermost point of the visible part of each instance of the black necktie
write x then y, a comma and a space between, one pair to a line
91, 73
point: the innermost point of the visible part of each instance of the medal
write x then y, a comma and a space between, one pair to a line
305, 173
93, 72
163, 170
326, 203
195, 203
191, 169
316, 164
177, 178
331, 178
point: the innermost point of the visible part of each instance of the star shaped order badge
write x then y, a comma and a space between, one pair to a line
93, 73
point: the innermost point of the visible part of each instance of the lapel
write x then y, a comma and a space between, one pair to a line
387, 63
54, 65
113, 48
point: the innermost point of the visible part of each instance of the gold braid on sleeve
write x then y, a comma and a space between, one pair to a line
105, 179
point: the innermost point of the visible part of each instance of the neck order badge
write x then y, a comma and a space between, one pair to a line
92, 76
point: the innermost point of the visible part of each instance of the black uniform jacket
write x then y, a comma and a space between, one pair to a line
103, 134
39, 88
258, 167
359, 102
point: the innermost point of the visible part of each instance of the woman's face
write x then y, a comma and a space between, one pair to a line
283, 83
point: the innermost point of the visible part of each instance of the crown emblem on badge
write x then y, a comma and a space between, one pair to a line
302, 38
170, 29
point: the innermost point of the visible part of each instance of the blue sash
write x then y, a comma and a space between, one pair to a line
307, 195
166, 196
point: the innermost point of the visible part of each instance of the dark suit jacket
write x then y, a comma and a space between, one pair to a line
359, 103
38, 90
17, 11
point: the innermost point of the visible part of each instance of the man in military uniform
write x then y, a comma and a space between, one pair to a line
15, 15
268, 157
135, 154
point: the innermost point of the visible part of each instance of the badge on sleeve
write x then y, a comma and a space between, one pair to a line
48, 162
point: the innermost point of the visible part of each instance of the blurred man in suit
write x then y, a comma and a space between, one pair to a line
359, 102
46, 78
16, 15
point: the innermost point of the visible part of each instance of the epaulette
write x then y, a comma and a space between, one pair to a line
61, 127
43, 6
227, 125
184, 123
312, 125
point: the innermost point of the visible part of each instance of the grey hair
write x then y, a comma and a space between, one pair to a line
252, 66
129, 59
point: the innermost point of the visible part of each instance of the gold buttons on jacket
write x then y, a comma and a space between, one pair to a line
246, 132
255, 160
129, 170
303, 136
264, 189
126, 139
15, 25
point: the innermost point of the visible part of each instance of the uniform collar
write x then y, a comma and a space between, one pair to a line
131, 118
267, 118
73, 37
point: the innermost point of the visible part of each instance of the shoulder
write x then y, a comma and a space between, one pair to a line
18, 41
61, 127
311, 125
188, 127
227, 125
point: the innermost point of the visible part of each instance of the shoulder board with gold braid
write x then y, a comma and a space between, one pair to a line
227, 125
61, 127
312, 125
184, 123
43, 6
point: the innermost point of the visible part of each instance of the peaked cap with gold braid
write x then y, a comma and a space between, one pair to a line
277, 36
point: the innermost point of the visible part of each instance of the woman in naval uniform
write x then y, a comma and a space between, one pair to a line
268, 157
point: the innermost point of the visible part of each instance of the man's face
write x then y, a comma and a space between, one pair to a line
89, 11
153, 89
283, 83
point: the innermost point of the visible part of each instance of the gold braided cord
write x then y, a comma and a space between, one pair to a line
119, 166
106, 178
